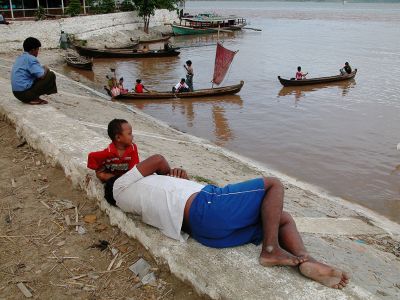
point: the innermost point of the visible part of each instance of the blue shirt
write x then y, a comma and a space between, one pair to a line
25, 71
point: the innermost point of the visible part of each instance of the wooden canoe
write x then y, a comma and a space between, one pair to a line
79, 62
125, 53
293, 82
151, 41
138, 42
219, 91
128, 46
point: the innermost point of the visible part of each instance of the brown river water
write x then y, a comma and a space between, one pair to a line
340, 137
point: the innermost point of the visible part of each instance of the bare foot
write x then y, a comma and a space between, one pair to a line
38, 102
278, 257
324, 274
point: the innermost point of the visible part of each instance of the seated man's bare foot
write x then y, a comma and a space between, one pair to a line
324, 274
38, 102
278, 257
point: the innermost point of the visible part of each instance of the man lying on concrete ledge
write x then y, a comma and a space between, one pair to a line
237, 214
29, 79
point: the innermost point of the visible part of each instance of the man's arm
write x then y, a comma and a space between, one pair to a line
159, 165
104, 176
46, 70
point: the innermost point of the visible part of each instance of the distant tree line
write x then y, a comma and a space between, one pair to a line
144, 8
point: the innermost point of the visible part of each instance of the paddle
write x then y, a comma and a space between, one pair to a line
251, 28
222, 30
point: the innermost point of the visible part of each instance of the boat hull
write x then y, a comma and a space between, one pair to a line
184, 30
88, 66
289, 82
125, 53
227, 90
77, 62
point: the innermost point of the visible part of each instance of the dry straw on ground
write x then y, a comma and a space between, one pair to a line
56, 242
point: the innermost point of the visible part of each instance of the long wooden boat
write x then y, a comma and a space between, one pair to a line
293, 82
136, 42
127, 46
125, 53
77, 61
226, 90
207, 23
151, 41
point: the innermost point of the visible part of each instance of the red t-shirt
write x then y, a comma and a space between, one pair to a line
139, 88
110, 161
299, 75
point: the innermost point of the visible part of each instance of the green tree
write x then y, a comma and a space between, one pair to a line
146, 9
107, 6
127, 5
74, 8
40, 14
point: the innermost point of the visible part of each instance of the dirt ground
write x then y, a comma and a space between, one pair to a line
49, 257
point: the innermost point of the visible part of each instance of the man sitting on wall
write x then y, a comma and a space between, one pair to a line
3, 19
29, 79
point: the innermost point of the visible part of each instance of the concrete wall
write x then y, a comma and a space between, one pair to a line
48, 31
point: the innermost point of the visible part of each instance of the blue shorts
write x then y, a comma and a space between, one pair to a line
228, 216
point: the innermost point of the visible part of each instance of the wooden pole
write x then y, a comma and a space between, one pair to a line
11, 10
62, 6
84, 7
23, 8
38, 4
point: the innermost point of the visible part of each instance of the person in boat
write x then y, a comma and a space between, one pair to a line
115, 90
181, 87
29, 79
139, 87
346, 69
167, 46
299, 74
109, 86
217, 217
189, 74
3, 19
121, 86
145, 48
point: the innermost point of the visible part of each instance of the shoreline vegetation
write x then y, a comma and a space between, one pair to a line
318, 1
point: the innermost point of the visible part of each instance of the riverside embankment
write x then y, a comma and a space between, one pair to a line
335, 231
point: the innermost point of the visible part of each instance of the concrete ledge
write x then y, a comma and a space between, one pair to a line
339, 226
224, 273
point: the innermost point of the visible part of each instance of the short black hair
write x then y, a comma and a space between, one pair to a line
31, 43
115, 127
122, 78
298, 68
183, 79
138, 80
189, 62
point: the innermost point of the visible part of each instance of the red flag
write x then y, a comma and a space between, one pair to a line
223, 59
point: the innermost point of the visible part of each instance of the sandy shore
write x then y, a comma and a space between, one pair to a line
335, 231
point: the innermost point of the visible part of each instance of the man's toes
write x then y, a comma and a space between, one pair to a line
346, 276
296, 261
335, 286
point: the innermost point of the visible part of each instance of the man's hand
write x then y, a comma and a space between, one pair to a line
46, 70
103, 176
179, 173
